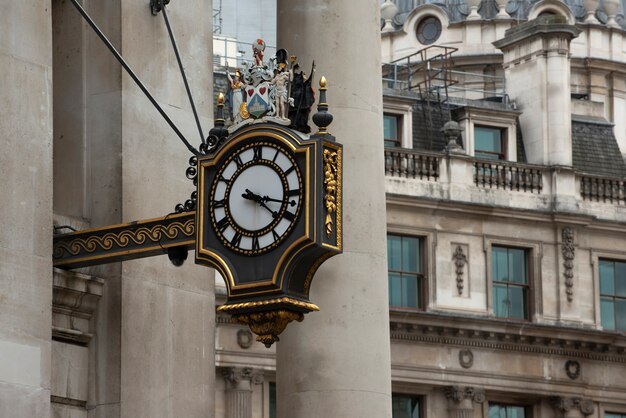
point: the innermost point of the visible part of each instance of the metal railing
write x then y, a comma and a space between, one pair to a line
603, 189
411, 164
508, 176
406, 73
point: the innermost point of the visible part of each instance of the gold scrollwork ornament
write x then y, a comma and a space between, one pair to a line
330, 185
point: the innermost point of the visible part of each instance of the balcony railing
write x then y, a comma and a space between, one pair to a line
603, 189
411, 164
508, 176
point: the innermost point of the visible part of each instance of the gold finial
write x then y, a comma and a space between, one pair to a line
220, 98
323, 82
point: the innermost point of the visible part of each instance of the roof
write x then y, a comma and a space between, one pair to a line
595, 149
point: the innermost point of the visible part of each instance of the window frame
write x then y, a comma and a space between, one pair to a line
614, 297
422, 284
421, 399
505, 120
528, 409
525, 287
502, 156
399, 129
534, 255
596, 256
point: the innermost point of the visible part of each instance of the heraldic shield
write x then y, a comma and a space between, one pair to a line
258, 99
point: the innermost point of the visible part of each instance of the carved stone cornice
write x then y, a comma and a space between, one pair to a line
75, 298
564, 404
484, 333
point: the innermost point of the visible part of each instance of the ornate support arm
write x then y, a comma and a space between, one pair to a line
172, 234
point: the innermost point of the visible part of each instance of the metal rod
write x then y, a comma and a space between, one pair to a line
182, 72
132, 75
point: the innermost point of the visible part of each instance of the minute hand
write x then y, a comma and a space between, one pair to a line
269, 199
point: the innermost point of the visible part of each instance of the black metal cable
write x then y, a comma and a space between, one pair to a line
182, 72
132, 75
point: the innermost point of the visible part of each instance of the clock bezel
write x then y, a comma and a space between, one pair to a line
303, 152
260, 141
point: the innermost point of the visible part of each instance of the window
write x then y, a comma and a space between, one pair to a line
489, 143
428, 30
404, 260
272, 400
405, 406
507, 411
612, 415
393, 129
509, 267
613, 294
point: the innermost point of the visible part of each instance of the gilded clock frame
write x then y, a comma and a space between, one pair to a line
213, 259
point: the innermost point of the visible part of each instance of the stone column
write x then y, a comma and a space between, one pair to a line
239, 381
461, 400
537, 70
167, 312
337, 362
568, 407
26, 208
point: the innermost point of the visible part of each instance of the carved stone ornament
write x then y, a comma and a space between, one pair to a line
459, 262
235, 375
459, 393
568, 251
572, 369
565, 404
244, 338
466, 358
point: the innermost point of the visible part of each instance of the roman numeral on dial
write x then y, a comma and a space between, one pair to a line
219, 203
255, 243
222, 224
258, 153
236, 239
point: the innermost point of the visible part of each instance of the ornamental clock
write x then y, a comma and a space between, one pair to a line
269, 213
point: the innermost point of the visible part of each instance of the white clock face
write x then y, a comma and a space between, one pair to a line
256, 198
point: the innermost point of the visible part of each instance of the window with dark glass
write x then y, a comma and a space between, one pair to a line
489, 143
392, 127
510, 282
404, 259
507, 411
428, 30
612, 415
272, 400
405, 406
613, 294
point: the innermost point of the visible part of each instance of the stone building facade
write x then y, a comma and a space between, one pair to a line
501, 291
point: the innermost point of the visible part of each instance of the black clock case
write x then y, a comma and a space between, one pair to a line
280, 278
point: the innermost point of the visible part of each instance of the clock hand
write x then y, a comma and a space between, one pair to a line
269, 199
251, 196
258, 199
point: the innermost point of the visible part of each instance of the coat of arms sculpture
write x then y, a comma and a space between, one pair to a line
274, 91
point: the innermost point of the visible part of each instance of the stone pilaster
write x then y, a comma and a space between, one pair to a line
461, 400
571, 407
337, 362
239, 381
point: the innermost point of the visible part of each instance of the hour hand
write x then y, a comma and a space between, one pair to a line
269, 199
252, 196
